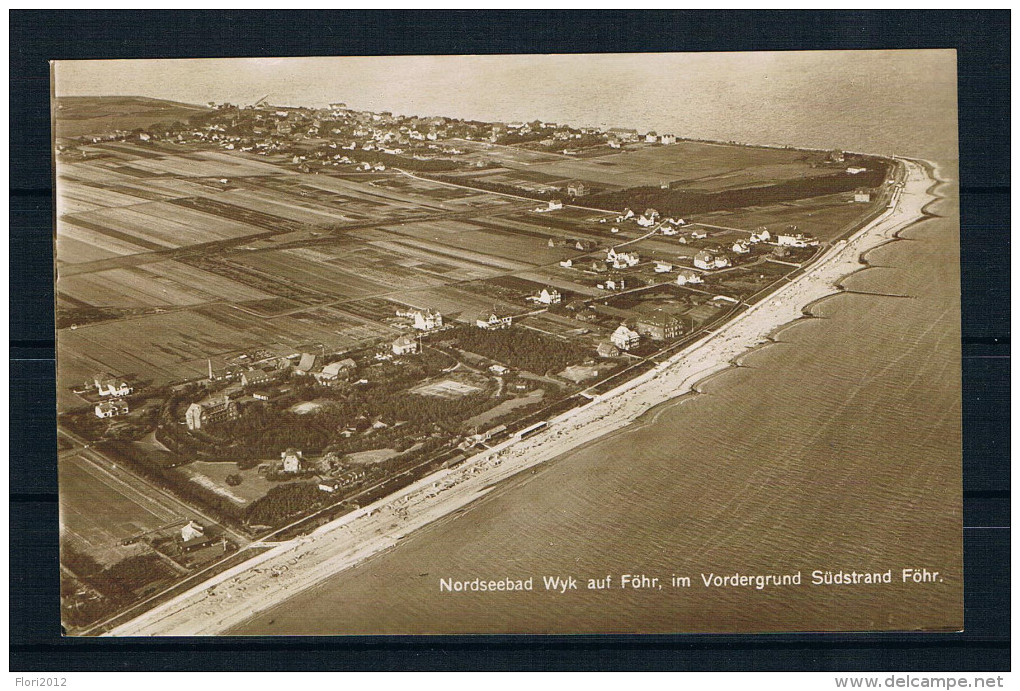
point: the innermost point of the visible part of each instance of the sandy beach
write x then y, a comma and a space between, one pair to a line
267, 580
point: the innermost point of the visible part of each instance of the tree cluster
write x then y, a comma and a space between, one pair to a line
521, 348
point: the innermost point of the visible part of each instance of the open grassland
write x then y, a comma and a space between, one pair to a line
91, 115
213, 477
99, 509
824, 217
694, 165
162, 284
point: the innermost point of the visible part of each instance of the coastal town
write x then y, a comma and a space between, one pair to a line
271, 318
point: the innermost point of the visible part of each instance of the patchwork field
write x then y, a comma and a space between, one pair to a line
99, 509
695, 165
205, 254
173, 346
162, 284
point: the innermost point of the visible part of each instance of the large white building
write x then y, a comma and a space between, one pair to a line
548, 296
706, 260
106, 385
404, 345
625, 338
493, 321
686, 276
423, 320
199, 414
796, 240
111, 408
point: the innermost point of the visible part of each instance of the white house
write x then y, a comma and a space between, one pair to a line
107, 385
863, 196
663, 267
699, 234
291, 460
625, 338
554, 205
763, 235
335, 370
741, 247
687, 276
493, 321
612, 284
667, 139
404, 345
704, 260
111, 408
424, 320
855, 170
548, 296
622, 260
796, 240
567, 263
191, 531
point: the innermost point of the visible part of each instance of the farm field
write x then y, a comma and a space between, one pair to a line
99, 509
161, 284
175, 346
210, 253
823, 217
694, 165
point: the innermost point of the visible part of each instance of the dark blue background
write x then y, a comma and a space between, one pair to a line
982, 41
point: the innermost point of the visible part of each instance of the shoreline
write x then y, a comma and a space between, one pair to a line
266, 581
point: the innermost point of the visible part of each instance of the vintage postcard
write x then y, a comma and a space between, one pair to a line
636, 343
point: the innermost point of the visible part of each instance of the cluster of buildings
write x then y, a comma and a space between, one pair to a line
331, 485
105, 409
653, 138
292, 462
622, 260
107, 385
114, 389
423, 319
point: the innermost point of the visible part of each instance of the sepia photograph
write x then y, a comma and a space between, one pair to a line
509, 344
